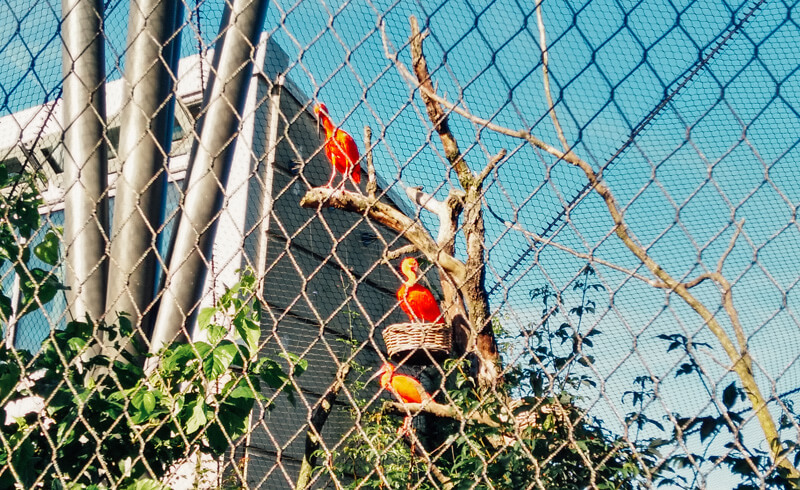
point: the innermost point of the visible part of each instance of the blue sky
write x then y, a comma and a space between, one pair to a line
723, 149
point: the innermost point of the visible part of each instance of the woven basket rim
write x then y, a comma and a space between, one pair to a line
417, 325
407, 337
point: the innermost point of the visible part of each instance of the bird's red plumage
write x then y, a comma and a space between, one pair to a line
340, 147
341, 150
415, 299
419, 304
409, 389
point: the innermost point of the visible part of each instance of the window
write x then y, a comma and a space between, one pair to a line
31, 330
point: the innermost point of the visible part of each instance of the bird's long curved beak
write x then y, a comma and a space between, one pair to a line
377, 374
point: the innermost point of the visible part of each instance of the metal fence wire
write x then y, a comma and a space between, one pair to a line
465, 244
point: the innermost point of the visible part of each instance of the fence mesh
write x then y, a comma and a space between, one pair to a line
600, 198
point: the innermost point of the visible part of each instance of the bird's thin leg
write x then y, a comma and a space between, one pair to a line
341, 185
350, 176
333, 176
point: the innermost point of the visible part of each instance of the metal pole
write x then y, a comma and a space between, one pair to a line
203, 189
85, 161
144, 145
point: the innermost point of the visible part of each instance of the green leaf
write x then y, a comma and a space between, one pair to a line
146, 484
708, 427
271, 372
148, 402
215, 333
300, 365
178, 357
242, 391
249, 331
205, 316
38, 286
197, 417
48, 249
219, 359
729, 395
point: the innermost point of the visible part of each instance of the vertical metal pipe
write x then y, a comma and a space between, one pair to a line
145, 140
204, 185
85, 161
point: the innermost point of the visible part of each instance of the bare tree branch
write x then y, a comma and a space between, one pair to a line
447, 212
389, 217
435, 113
437, 409
587, 257
546, 77
399, 252
317, 421
739, 357
473, 291
372, 184
428, 91
493, 162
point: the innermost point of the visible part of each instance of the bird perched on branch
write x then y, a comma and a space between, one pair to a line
406, 388
415, 299
340, 148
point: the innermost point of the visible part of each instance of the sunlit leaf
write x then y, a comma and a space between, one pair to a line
48, 250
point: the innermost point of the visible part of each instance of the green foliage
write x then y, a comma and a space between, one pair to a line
19, 222
751, 465
530, 430
503, 445
108, 422
556, 353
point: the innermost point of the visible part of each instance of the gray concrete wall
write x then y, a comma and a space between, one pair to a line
324, 286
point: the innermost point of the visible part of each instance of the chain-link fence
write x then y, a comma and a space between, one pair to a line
399, 245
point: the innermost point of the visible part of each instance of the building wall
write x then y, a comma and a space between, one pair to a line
324, 286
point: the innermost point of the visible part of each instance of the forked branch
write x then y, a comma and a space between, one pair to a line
389, 217
473, 290
739, 356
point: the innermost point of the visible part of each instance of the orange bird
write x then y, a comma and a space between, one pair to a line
406, 388
415, 299
340, 148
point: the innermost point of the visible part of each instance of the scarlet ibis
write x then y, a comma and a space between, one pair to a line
340, 148
408, 389
415, 299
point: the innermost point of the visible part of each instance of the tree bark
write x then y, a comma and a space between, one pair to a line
313, 435
473, 290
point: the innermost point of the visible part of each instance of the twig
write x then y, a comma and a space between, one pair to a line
399, 252
493, 162
731, 244
372, 184
546, 77
587, 257
314, 434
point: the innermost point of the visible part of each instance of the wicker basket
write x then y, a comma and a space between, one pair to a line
418, 343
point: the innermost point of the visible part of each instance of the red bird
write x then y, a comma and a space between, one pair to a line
406, 388
417, 300
340, 148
